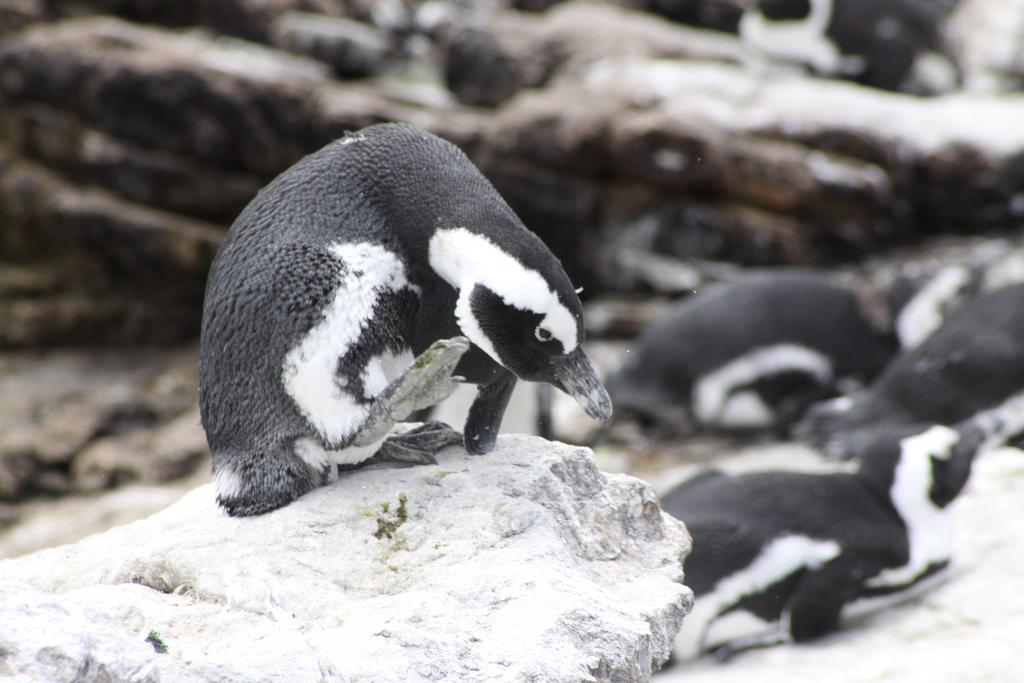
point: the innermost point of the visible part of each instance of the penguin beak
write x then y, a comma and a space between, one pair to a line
575, 376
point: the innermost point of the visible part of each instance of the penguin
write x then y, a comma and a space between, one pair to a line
895, 45
785, 556
362, 284
973, 361
752, 353
924, 295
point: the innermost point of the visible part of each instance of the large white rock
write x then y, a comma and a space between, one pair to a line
44, 637
524, 564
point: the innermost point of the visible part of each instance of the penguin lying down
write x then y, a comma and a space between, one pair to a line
752, 353
924, 293
897, 45
787, 556
973, 361
362, 284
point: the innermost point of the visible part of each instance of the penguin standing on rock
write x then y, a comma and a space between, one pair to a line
362, 284
787, 556
972, 362
890, 44
752, 353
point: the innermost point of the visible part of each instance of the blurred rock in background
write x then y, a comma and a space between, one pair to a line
632, 136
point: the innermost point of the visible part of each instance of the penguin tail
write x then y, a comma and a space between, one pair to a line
254, 483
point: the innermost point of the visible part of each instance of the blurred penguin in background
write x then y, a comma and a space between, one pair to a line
973, 361
753, 353
894, 45
783, 556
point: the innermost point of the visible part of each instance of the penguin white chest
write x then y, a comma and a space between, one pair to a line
804, 40
311, 370
722, 396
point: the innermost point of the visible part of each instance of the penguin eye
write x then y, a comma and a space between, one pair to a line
543, 334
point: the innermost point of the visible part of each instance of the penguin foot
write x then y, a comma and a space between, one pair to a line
419, 446
425, 383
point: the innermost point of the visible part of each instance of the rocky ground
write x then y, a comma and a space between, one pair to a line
529, 564
629, 134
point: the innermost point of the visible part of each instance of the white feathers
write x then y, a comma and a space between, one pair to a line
924, 313
802, 40
865, 606
317, 457
470, 326
465, 259
741, 629
350, 138
227, 482
310, 452
777, 560
381, 370
929, 527
309, 373
714, 400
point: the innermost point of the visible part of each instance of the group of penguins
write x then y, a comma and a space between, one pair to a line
897, 45
908, 383
377, 275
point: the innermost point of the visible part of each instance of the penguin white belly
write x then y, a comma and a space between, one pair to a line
318, 457
798, 41
926, 311
741, 629
866, 606
717, 401
310, 370
777, 560
378, 373
929, 527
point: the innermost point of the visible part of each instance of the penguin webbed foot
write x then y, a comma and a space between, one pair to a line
418, 446
426, 382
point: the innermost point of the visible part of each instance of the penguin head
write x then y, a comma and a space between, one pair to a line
922, 462
516, 303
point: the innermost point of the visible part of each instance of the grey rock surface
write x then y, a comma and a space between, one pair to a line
488, 61
44, 637
82, 421
230, 105
352, 49
91, 268
702, 160
525, 564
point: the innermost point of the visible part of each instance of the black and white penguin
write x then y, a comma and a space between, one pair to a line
335, 305
923, 295
788, 556
890, 44
973, 361
751, 353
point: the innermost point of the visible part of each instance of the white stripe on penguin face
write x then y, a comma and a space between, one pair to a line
713, 392
465, 259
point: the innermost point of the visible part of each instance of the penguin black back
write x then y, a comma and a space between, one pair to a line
751, 353
974, 361
784, 556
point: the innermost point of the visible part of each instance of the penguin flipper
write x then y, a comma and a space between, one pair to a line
426, 382
817, 601
486, 412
